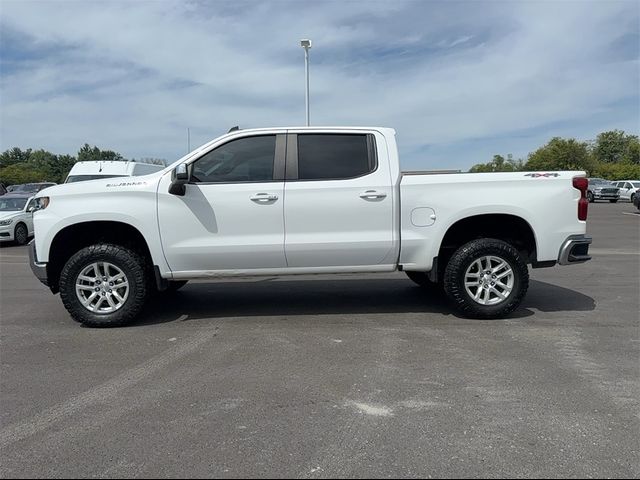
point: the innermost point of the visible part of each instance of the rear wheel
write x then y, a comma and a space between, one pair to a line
486, 278
633, 195
104, 285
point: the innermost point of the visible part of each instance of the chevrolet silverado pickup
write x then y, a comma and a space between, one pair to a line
310, 200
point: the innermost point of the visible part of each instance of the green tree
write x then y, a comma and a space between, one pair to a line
14, 155
498, 164
633, 152
87, 153
615, 146
62, 167
561, 154
617, 171
21, 173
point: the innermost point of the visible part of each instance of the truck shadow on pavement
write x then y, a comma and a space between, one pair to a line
333, 297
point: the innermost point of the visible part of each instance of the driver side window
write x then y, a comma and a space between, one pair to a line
31, 205
248, 159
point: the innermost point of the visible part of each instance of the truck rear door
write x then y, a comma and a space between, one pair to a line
338, 209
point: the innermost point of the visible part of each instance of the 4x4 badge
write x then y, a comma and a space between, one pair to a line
546, 175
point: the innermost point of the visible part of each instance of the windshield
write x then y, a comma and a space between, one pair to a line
27, 187
599, 181
12, 204
83, 178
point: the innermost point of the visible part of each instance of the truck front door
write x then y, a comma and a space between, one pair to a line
231, 216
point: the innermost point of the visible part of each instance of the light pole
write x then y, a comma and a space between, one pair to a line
306, 44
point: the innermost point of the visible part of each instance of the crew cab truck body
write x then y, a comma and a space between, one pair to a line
287, 201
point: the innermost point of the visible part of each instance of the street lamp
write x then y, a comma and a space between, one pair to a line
306, 44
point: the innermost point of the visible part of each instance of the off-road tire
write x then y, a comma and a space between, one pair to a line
21, 234
130, 262
454, 278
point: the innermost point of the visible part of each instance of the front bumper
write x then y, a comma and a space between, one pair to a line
575, 249
6, 233
606, 196
38, 269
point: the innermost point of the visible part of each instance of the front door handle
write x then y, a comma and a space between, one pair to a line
264, 197
372, 194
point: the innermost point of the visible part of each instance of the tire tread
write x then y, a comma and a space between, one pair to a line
459, 262
125, 258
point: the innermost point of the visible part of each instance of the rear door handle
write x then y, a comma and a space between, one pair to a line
264, 197
372, 194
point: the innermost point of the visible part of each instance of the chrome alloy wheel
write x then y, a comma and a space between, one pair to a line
102, 287
489, 280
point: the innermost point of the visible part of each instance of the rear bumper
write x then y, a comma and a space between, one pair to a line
575, 249
38, 269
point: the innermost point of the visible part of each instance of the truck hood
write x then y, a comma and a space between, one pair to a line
104, 185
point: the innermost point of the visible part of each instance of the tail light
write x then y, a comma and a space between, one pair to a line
582, 184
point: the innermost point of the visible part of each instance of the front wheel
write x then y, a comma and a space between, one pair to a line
21, 235
486, 278
104, 285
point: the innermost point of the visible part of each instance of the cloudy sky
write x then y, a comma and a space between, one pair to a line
460, 81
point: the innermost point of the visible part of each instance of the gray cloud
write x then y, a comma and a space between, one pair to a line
459, 81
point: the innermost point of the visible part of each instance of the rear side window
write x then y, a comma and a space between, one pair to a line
247, 159
334, 156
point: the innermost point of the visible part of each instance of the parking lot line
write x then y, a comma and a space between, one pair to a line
100, 394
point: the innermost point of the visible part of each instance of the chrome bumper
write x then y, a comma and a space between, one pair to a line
38, 269
575, 249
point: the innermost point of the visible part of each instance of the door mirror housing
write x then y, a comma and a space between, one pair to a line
179, 178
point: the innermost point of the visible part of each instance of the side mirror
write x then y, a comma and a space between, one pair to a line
179, 178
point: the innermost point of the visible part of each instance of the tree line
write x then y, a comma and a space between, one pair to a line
27, 166
613, 155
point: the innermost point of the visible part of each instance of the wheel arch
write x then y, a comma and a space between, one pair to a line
73, 238
507, 227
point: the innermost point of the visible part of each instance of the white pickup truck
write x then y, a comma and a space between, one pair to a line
285, 201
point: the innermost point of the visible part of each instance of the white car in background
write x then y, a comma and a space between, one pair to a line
628, 189
95, 170
16, 217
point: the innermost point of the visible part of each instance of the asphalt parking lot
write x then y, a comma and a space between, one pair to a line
347, 376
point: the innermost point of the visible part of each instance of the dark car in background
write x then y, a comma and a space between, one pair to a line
636, 201
601, 189
26, 188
